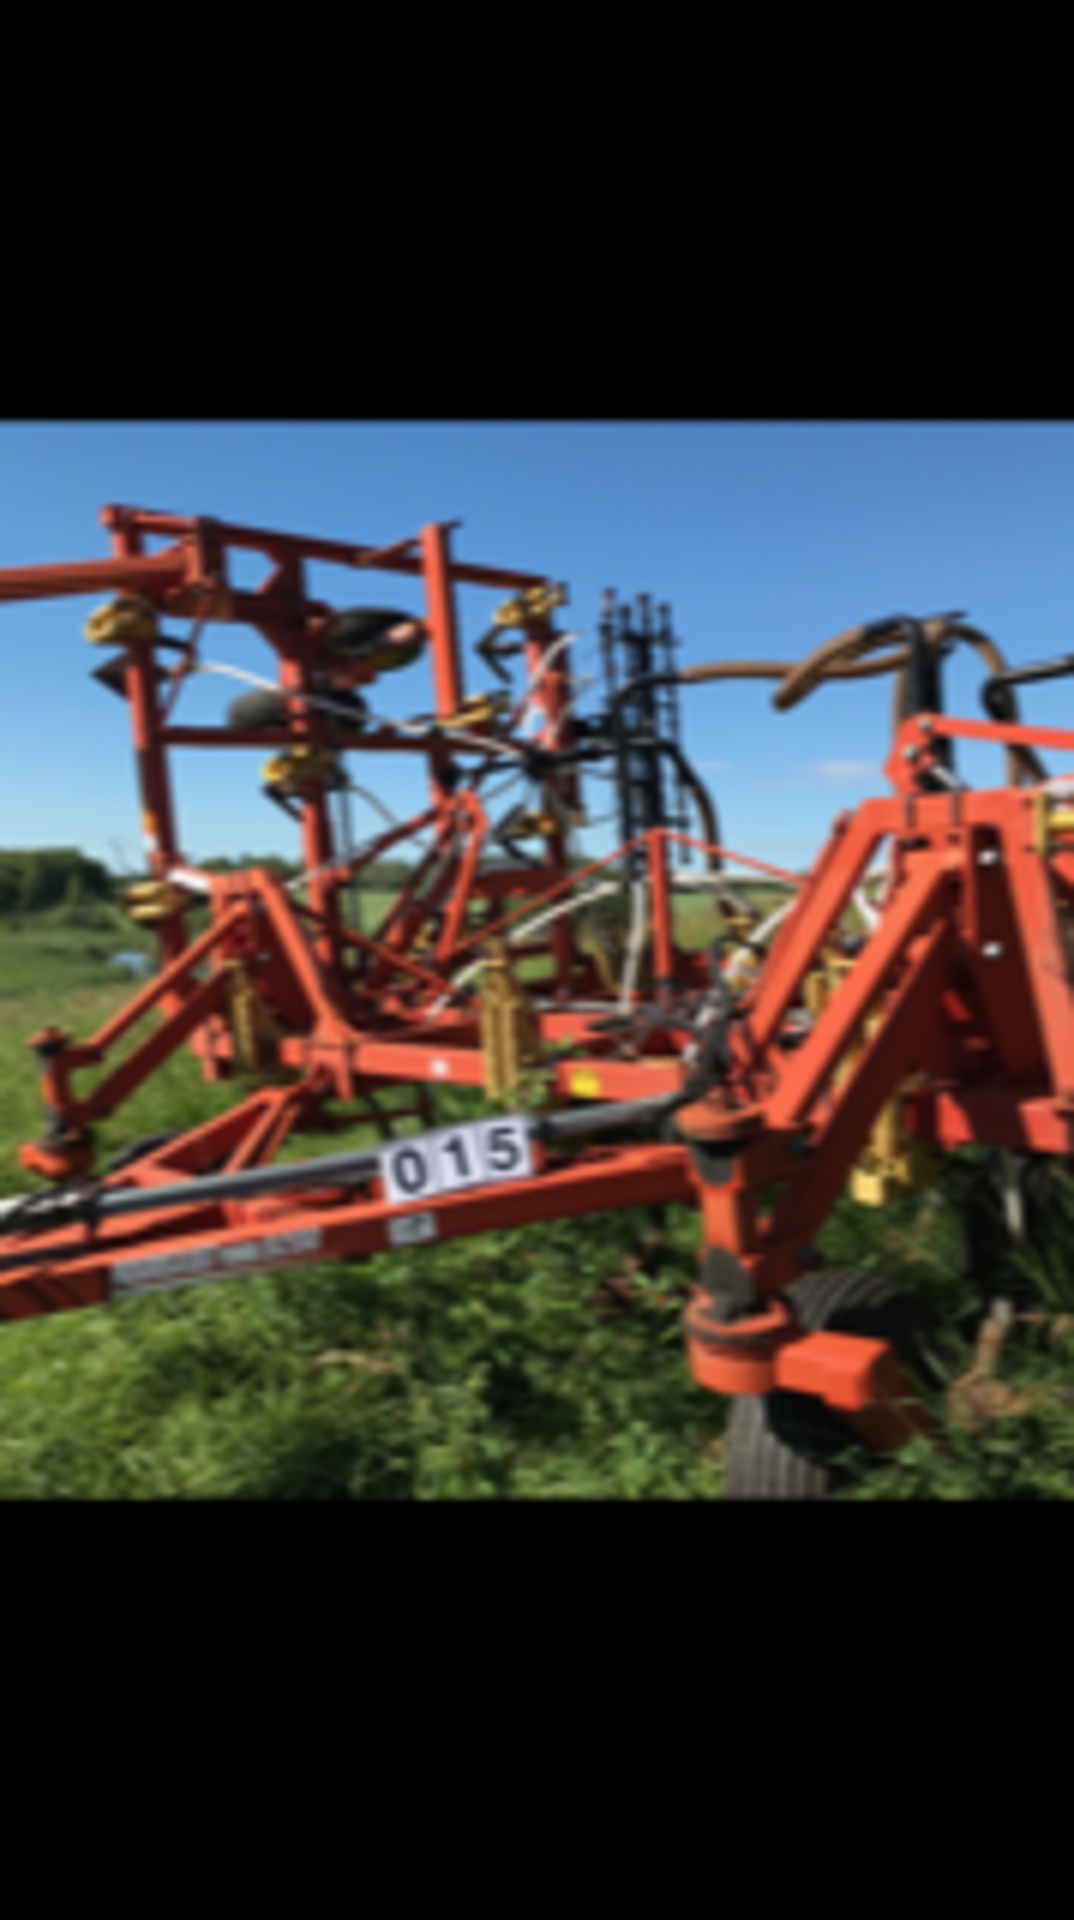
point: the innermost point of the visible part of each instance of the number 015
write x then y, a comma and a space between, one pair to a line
481, 1153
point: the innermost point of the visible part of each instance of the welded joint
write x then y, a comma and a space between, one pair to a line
713, 1164
49, 1042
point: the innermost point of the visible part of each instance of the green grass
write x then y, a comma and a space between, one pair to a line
476, 1369
470, 1370
42, 957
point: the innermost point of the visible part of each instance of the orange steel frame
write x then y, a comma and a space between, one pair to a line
965, 974
374, 1026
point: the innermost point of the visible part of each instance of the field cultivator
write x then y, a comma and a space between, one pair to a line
752, 1081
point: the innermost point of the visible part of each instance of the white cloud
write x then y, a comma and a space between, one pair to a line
825, 773
842, 773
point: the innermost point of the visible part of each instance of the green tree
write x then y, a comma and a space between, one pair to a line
34, 882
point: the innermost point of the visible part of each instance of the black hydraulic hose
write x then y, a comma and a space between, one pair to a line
701, 796
922, 689
995, 694
543, 762
922, 670
44, 1212
685, 771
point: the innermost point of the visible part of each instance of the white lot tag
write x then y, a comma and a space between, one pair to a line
411, 1229
476, 1153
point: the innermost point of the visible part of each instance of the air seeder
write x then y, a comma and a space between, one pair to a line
793, 1056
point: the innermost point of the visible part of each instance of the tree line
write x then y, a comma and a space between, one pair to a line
42, 879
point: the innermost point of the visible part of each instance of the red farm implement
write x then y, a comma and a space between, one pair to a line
790, 1058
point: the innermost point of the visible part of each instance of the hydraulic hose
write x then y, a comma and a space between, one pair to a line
699, 793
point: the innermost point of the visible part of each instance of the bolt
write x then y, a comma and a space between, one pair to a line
799, 1145
993, 950
808, 1257
989, 858
909, 753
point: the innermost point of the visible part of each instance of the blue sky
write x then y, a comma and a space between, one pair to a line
766, 540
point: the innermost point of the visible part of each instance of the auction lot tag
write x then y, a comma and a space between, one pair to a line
411, 1229
478, 1153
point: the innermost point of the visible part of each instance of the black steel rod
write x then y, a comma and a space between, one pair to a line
45, 1211
993, 690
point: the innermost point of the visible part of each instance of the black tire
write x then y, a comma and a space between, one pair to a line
258, 708
776, 1451
262, 708
345, 701
359, 629
783, 1446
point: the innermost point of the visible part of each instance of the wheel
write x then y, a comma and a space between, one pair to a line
262, 707
345, 701
783, 1446
359, 635
258, 708
359, 627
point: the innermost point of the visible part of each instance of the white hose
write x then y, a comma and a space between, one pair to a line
379, 720
518, 933
193, 882
332, 866
728, 897
867, 910
378, 805
583, 681
745, 953
950, 780
535, 679
639, 891
742, 955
